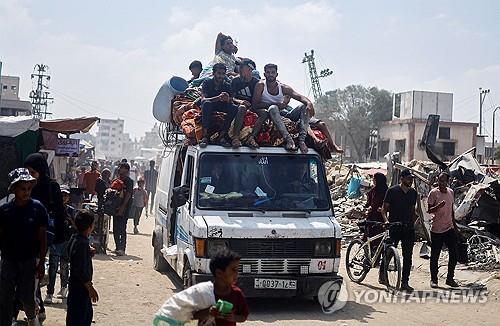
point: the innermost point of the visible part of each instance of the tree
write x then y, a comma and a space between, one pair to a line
355, 111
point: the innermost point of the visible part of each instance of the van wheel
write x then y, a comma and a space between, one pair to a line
159, 262
187, 275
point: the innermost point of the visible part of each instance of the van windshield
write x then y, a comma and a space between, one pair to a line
248, 181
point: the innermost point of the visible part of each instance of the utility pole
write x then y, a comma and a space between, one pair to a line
316, 87
482, 96
39, 96
493, 145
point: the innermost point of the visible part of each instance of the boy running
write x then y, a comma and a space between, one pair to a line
224, 267
23, 245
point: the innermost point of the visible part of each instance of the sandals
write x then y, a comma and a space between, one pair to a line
236, 143
303, 147
289, 144
203, 142
252, 143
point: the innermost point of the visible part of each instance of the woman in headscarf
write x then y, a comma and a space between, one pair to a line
48, 192
375, 200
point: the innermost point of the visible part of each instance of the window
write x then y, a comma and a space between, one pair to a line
5, 87
401, 146
444, 133
262, 182
383, 148
13, 87
449, 148
397, 105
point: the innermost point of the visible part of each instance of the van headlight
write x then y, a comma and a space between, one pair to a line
323, 248
216, 245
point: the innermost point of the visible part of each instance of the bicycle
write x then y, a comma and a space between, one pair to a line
360, 259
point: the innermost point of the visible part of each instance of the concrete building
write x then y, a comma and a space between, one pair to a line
10, 103
110, 138
404, 132
152, 138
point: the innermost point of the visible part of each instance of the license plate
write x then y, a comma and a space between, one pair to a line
266, 283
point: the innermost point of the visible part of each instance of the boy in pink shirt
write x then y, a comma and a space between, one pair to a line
440, 204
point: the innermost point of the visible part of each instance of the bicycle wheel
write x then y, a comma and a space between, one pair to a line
392, 268
355, 261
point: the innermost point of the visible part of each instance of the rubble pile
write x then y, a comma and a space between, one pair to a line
476, 206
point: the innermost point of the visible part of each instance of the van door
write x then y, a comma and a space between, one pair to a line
183, 232
163, 211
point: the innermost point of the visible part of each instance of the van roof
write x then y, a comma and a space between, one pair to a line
244, 149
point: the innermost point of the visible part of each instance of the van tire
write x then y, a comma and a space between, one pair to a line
159, 262
187, 274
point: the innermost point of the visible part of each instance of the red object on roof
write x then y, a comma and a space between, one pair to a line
69, 126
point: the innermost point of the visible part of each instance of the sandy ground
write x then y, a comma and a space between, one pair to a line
131, 292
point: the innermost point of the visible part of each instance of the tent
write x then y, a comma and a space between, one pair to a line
19, 137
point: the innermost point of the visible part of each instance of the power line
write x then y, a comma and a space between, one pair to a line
100, 108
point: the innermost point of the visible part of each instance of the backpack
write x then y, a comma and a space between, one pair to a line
113, 197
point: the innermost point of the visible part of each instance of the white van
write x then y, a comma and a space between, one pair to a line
271, 206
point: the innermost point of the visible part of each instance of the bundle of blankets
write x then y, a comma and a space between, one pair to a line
186, 113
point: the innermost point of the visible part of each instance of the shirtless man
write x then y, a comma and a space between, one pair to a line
271, 94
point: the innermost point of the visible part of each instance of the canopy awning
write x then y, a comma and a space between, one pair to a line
69, 126
14, 126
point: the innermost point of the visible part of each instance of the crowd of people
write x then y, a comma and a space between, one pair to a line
40, 219
397, 204
232, 85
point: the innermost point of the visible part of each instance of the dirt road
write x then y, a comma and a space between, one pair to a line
131, 291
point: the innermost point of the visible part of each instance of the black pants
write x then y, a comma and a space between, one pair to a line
120, 232
207, 108
137, 214
407, 238
80, 311
17, 279
450, 239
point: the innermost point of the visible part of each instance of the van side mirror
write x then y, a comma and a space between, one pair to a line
180, 196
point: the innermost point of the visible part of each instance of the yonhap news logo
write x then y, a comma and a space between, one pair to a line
332, 296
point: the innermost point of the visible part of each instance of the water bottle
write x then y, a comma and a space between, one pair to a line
224, 307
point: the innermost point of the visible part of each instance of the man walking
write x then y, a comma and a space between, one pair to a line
400, 202
440, 203
271, 94
151, 177
90, 178
122, 212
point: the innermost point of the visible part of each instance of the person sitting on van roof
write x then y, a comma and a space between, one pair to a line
195, 67
271, 94
243, 88
217, 98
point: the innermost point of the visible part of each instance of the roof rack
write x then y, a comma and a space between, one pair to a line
170, 134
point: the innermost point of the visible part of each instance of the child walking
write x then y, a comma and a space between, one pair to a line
23, 245
57, 257
139, 201
81, 290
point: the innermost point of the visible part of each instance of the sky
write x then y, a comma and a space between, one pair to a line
109, 58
